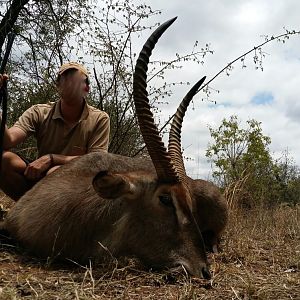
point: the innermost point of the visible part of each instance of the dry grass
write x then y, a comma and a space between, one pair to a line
260, 260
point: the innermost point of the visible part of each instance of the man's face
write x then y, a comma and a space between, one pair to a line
72, 85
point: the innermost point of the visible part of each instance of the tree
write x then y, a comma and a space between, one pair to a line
236, 150
9, 19
99, 34
287, 175
243, 164
245, 169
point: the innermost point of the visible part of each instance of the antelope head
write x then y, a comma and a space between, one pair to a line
184, 244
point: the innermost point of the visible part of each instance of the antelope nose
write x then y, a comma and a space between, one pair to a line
205, 273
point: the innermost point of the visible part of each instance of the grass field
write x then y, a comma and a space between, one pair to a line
260, 259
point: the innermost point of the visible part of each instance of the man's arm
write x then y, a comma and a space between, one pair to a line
59, 159
46, 163
12, 137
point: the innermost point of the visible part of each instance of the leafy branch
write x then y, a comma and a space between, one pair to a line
257, 58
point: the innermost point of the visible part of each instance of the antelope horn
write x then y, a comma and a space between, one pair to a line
174, 146
155, 146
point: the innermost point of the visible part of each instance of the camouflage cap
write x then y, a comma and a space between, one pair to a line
73, 65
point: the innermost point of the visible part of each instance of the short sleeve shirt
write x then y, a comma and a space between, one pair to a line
53, 135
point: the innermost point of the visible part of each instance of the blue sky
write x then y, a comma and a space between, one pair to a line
262, 98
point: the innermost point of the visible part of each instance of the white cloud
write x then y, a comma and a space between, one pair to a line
233, 27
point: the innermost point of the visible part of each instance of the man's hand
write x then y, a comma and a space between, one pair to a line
3, 78
37, 169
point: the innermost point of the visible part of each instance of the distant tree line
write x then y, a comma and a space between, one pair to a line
244, 168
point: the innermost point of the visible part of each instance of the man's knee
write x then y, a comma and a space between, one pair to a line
6, 164
11, 163
12, 180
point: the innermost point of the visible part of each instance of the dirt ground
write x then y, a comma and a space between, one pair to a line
260, 259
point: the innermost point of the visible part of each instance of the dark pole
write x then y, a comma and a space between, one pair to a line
3, 93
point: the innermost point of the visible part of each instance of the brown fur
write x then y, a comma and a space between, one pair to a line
210, 210
108, 201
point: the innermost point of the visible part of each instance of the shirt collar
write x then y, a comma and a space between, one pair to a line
57, 113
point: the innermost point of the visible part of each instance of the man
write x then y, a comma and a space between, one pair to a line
64, 130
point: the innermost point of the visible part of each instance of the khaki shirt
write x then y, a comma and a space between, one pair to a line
53, 135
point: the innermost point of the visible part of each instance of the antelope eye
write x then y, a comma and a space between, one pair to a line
166, 199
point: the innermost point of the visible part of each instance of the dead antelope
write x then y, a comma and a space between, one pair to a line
130, 206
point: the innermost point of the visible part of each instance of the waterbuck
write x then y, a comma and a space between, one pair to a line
104, 203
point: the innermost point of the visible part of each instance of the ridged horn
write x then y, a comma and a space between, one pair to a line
155, 146
174, 147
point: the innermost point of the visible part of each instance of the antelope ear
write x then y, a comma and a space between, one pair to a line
111, 186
